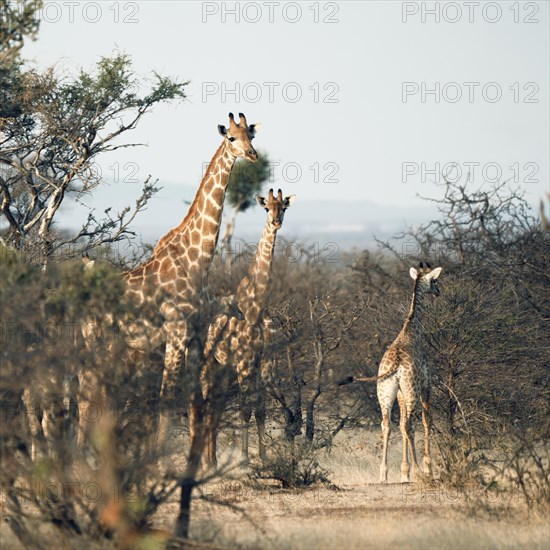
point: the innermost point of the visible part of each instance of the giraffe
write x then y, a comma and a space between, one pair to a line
171, 281
235, 344
404, 373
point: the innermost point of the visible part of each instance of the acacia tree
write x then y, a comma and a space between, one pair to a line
52, 131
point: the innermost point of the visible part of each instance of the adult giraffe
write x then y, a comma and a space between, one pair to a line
170, 283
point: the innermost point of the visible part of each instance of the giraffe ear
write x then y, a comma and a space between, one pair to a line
414, 273
434, 274
261, 201
222, 129
289, 201
253, 128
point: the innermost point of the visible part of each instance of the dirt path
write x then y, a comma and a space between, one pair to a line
371, 516
361, 513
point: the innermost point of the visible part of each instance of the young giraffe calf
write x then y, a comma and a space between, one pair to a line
404, 373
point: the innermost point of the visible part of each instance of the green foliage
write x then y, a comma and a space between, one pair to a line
94, 98
165, 89
12, 269
19, 19
78, 291
246, 180
70, 121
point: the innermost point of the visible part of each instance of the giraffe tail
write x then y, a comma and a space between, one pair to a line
347, 380
350, 379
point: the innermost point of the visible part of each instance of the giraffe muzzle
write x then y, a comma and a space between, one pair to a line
252, 155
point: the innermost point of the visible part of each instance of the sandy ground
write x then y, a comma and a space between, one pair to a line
364, 517
354, 512
359, 512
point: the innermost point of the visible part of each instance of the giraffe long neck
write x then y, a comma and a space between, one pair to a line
413, 323
252, 290
197, 234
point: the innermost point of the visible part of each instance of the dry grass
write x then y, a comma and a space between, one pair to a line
361, 513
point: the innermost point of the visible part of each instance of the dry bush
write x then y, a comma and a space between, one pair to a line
530, 467
294, 465
523, 472
107, 490
316, 317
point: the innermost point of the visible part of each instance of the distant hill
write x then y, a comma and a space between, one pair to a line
346, 223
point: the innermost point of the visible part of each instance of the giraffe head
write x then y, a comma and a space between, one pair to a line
275, 206
427, 278
239, 137
87, 261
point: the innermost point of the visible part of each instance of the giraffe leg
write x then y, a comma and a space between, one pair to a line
196, 430
51, 427
259, 413
211, 423
71, 406
209, 442
82, 415
88, 411
174, 357
408, 436
33, 423
246, 414
212, 446
427, 421
387, 392
153, 384
386, 428
215, 384
405, 467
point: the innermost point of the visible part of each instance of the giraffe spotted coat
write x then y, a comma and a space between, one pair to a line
408, 378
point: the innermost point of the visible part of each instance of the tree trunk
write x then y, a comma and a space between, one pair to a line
193, 463
293, 415
228, 238
310, 418
197, 433
184, 516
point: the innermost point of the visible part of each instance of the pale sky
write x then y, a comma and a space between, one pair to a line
364, 126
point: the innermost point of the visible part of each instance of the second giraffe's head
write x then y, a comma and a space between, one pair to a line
427, 277
275, 206
239, 137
